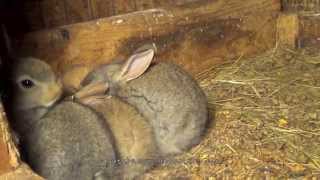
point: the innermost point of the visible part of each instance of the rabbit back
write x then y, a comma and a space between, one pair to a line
134, 137
70, 142
174, 104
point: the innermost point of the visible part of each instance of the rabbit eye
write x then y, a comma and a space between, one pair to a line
27, 83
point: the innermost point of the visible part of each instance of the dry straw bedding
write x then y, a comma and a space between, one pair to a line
265, 121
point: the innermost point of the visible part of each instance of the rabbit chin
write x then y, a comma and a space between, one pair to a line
29, 106
52, 102
48, 104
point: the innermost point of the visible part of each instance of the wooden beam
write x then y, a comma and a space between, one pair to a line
196, 36
5, 165
101, 8
309, 35
288, 30
32, 12
296, 30
299, 25
77, 11
9, 156
22, 172
301, 6
53, 12
124, 6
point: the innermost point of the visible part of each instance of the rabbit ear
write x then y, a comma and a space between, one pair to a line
93, 89
137, 64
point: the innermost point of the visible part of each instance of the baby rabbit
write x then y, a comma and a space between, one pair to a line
67, 141
35, 89
133, 135
164, 93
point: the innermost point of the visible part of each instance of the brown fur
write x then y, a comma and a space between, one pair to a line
133, 135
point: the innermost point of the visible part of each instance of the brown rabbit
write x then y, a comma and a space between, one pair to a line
63, 140
164, 93
133, 134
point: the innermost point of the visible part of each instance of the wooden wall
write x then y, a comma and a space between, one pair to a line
307, 13
9, 158
40, 14
301, 5
196, 35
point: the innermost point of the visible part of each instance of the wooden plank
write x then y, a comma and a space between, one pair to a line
309, 31
54, 13
51, 13
163, 3
9, 157
33, 15
12, 15
23, 172
77, 11
302, 6
288, 29
5, 159
102, 8
309, 22
124, 6
180, 3
196, 38
189, 2
144, 4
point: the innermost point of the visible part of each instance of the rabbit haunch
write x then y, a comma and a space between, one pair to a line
164, 93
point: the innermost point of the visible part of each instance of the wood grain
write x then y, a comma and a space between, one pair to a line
42, 14
195, 37
288, 29
309, 35
301, 5
5, 159
54, 13
143, 5
77, 11
33, 14
102, 8
9, 156
124, 6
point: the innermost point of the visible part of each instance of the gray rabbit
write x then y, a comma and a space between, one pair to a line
64, 141
164, 93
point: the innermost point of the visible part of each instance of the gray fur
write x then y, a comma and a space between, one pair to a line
168, 97
69, 143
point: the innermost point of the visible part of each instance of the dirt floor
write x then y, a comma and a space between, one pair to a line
266, 121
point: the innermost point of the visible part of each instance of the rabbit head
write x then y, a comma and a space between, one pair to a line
34, 84
117, 74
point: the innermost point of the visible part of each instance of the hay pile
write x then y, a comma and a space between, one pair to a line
266, 121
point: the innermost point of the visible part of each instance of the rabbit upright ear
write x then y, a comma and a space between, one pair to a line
137, 64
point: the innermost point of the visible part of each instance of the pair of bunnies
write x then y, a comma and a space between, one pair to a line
133, 111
